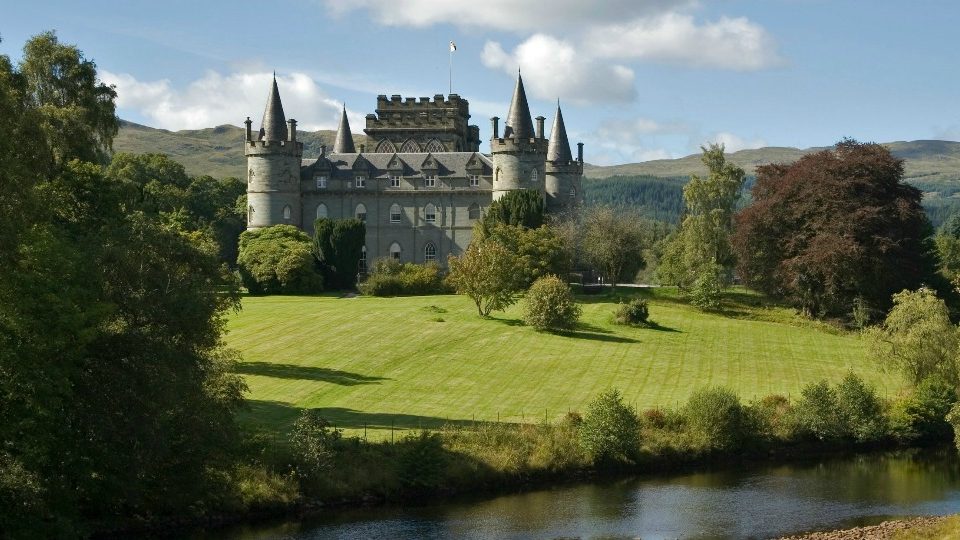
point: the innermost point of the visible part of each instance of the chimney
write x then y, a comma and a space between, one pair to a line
292, 130
495, 121
580, 152
248, 123
540, 120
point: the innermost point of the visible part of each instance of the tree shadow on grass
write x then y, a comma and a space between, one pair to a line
508, 322
306, 373
651, 325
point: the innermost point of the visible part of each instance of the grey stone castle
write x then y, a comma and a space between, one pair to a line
425, 183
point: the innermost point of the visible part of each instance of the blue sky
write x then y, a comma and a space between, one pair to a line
638, 79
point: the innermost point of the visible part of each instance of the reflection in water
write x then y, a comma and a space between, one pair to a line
757, 503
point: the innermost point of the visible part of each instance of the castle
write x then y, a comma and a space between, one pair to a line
425, 183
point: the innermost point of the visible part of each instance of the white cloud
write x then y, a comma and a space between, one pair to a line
554, 69
509, 15
729, 43
216, 99
734, 143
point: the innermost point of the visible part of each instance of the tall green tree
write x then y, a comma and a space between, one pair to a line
522, 208
487, 273
278, 260
338, 248
613, 242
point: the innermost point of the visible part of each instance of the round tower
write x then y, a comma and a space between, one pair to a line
273, 168
563, 173
519, 156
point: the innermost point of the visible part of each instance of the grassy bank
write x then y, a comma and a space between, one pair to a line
406, 363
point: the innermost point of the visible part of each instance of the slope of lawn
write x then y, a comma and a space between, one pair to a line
404, 363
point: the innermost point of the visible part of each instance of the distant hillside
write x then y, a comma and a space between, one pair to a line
215, 151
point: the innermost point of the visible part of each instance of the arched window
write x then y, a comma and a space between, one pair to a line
395, 251
435, 146
363, 259
395, 213
429, 252
386, 147
410, 147
573, 194
287, 211
534, 176
250, 214
321, 211
361, 212
430, 213
473, 212
496, 175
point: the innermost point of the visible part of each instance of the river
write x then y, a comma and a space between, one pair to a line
760, 501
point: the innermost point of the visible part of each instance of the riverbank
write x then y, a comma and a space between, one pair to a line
921, 528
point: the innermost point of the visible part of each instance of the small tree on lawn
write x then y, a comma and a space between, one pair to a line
487, 273
550, 305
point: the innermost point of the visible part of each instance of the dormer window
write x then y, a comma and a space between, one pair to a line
360, 181
430, 180
395, 181
321, 180
474, 180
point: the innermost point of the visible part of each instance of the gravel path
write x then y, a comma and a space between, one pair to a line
883, 531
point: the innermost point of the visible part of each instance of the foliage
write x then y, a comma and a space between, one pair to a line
707, 290
550, 305
928, 407
861, 410
817, 412
917, 338
520, 208
487, 272
634, 312
717, 419
314, 443
338, 246
390, 277
610, 431
422, 461
699, 253
833, 226
278, 260
613, 242
540, 251
653, 197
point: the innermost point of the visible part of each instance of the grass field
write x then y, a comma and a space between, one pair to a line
404, 363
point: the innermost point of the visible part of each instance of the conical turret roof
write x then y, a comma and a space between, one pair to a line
559, 148
274, 126
344, 142
518, 123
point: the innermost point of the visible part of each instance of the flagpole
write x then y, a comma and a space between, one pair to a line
451, 71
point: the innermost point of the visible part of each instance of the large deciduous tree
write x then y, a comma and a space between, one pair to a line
278, 260
613, 242
834, 226
487, 272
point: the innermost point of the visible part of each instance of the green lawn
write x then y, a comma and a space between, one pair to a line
422, 361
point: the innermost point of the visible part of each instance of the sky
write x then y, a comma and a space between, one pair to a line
637, 79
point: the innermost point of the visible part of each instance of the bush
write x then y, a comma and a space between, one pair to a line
928, 408
635, 312
550, 305
861, 410
817, 414
708, 288
278, 260
421, 461
610, 431
717, 419
314, 443
772, 415
390, 277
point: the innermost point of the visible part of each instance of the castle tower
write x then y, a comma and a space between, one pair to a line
343, 144
519, 156
563, 174
273, 168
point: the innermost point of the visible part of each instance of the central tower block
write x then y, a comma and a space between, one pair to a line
519, 156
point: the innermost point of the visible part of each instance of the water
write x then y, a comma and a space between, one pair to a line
758, 502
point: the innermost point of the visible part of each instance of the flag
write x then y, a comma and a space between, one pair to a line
453, 46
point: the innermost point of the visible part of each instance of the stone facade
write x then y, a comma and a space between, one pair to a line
425, 184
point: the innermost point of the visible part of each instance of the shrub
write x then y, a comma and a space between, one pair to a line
928, 408
278, 260
610, 431
635, 312
708, 287
861, 410
314, 443
953, 418
421, 461
717, 419
390, 277
817, 413
550, 305
772, 415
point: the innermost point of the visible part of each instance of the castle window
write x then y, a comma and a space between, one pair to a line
573, 193
429, 252
410, 147
321, 211
474, 180
394, 181
385, 147
395, 213
321, 181
430, 180
435, 146
287, 211
361, 181
534, 176
430, 213
473, 212
496, 175
361, 212
250, 214
363, 260
395, 251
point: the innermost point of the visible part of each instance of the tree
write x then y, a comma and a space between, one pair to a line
487, 273
278, 260
550, 305
917, 338
522, 207
947, 242
610, 432
613, 242
540, 252
833, 226
702, 243
338, 247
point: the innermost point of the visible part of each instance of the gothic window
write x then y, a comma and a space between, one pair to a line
534, 176
429, 180
474, 180
430, 213
410, 147
435, 146
321, 181
361, 181
286, 212
321, 211
385, 147
395, 251
429, 252
361, 212
363, 259
394, 181
395, 213
473, 212
496, 175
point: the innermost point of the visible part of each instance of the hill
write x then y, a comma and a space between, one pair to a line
427, 360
